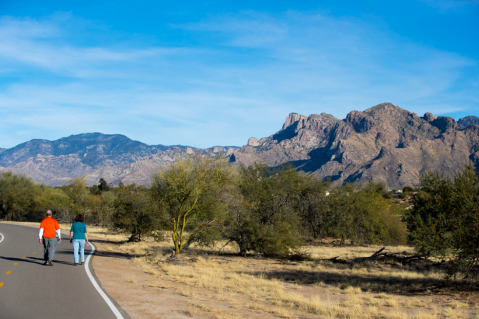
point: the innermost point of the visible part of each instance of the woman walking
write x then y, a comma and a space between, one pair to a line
78, 235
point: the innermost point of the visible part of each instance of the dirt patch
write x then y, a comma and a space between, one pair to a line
130, 287
144, 295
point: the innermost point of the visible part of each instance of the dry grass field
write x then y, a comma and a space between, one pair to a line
206, 284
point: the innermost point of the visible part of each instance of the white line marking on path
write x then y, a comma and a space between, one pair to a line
97, 287
3, 237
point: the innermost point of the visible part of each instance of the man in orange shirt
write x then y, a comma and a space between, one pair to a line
49, 231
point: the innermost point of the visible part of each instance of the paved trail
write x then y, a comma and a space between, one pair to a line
28, 289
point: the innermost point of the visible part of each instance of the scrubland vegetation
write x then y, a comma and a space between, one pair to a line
280, 242
203, 200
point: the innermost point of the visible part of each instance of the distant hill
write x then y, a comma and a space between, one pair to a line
384, 143
93, 155
93, 149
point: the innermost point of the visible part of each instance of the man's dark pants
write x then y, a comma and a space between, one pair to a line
49, 245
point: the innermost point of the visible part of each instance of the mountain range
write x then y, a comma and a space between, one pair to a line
116, 158
384, 143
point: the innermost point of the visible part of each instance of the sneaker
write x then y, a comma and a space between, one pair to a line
81, 263
50, 262
75, 264
45, 263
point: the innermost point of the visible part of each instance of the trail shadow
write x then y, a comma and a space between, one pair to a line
35, 260
198, 251
112, 254
97, 252
367, 282
24, 260
102, 253
104, 241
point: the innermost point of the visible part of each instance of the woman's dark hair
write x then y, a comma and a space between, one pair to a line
79, 218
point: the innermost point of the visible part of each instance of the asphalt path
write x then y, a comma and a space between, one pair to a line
29, 289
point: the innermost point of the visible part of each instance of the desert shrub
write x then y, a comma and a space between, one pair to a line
268, 219
362, 215
18, 196
53, 199
445, 219
134, 212
79, 196
407, 189
315, 209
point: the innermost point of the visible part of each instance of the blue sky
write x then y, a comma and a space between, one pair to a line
205, 73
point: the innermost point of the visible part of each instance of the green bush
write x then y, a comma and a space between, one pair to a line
134, 212
18, 196
445, 220
267, 220
365, 216
407, 189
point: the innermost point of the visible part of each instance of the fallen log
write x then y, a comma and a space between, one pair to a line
381, 256
336, 260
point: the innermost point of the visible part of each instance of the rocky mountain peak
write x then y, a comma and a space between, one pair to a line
293, 118
253, 141
386, 110
429, 117
445, 123
360, 121
466, 121
381, 115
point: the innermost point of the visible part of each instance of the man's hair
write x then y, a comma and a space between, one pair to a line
49, 212
79, 218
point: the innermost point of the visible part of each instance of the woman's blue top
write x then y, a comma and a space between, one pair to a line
79, 230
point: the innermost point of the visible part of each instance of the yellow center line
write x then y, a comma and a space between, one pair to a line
34, 252
15, 264
9, 272
1, 284
24, 257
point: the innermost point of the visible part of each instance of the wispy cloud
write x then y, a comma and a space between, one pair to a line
44, 45
244, 83
322, 58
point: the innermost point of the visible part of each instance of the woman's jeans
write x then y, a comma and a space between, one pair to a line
78, 243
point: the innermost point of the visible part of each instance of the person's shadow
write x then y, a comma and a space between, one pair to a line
35, 260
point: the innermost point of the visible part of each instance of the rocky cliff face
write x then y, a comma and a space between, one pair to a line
384, 143
116, 158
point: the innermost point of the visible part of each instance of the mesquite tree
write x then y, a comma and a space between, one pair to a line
193, 193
